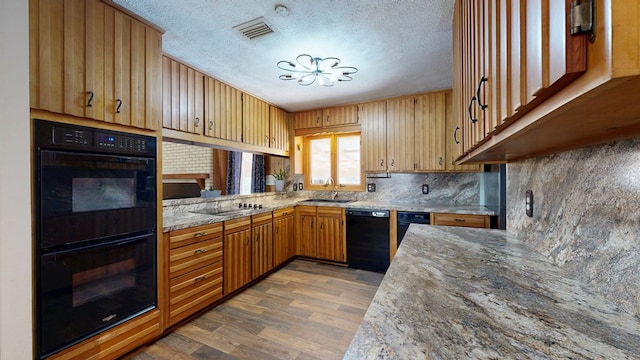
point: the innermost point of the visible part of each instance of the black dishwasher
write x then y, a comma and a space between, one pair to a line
368, 239
406, 218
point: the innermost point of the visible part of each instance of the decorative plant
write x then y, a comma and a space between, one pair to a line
279, 175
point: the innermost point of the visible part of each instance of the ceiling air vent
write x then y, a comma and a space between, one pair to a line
254, 28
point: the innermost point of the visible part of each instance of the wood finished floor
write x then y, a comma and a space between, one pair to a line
304, 311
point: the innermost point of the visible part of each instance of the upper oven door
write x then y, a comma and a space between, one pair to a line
84, 197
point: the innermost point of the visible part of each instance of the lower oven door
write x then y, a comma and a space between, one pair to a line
87, 290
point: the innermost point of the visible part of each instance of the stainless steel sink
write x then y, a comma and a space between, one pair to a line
337, 201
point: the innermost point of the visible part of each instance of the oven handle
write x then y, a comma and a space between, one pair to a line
69, 159
98, 244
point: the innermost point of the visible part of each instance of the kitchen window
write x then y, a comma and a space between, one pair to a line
333, 157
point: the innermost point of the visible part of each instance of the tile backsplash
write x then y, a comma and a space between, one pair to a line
586, 215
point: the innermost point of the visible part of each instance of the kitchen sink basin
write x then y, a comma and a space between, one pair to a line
337, 201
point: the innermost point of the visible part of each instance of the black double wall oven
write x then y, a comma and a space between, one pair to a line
95, 231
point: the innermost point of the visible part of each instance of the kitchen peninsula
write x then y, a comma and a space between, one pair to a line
459, 293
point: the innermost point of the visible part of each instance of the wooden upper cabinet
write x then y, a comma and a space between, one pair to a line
255, 121
223, 105
429, 132
453, 141
373, 122
278, 129
400, 141
308, 119
88, 59
335, 116
341, 115
183, 97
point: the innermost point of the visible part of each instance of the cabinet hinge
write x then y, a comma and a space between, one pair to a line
583, 18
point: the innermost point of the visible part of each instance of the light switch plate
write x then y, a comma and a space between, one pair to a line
300, 186
371, 187
425, 189
295, 186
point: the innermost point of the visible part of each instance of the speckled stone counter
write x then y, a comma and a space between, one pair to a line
460, 293
180, 214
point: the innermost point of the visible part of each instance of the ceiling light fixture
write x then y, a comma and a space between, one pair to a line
308, 69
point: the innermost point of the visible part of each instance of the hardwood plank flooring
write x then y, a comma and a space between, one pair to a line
304, 311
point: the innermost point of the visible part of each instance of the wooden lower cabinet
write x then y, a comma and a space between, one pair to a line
195, 270
262, 244
117, 341
237, 253
464, 220
320, 233
284, 246
331, 244
306, 231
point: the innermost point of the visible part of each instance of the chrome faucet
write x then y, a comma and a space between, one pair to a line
334, 193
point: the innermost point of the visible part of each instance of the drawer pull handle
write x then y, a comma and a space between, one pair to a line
90, 102
200, 251
478, 97
459, 220
118, 106
198, 234
199, 278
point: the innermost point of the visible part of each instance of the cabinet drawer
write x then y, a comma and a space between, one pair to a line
190, 257
235, 225
261, 218
192, 235
193, 291
464, 220
283, 212
330, 211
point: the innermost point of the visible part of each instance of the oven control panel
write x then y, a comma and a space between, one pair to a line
80, 137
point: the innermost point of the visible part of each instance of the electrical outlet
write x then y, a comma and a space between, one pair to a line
425, 189
371, 187
295, 186
300, 186
529, 203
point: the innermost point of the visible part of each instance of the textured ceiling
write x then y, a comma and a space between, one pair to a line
400, 47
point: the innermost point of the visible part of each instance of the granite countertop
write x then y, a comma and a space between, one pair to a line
183, 217
461, 293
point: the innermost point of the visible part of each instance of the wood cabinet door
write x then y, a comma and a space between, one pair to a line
153, 79
429, 135
400, 142
183, 97
237, 260
117, 67
255, 121
223, 111
340, 115
138, 83
306, 231
308, 119
373, 124
283, 237
278, 128
94, 59
331, 236
452, 139
262, 249
57, 56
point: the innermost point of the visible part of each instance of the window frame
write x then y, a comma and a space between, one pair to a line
334, 163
